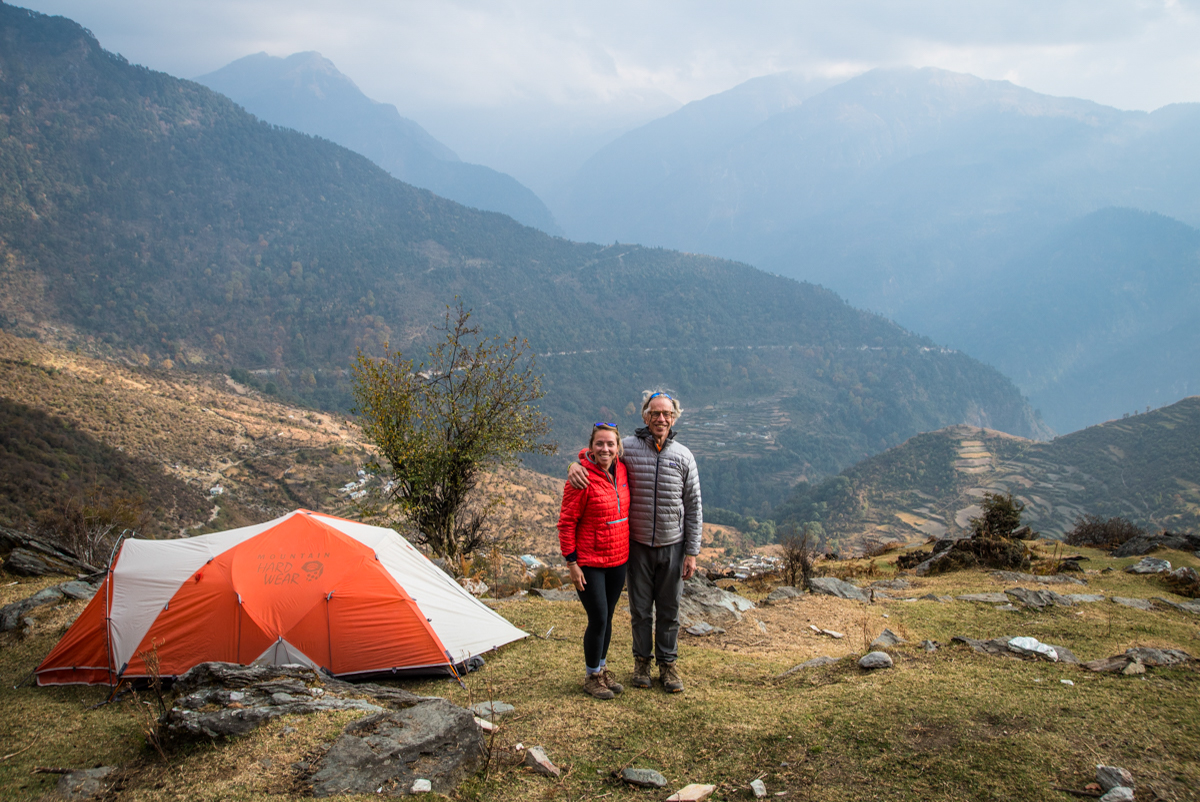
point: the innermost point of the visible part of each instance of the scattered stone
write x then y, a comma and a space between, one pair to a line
829, 632
929, 597
1067, 682
433, 740
1085, 598
24, 562
875, 594
1109, 665
1134, 668
1137, 604
1118, 794
703, 628
692, 793
535, 758
421, 786
554, 594
1158, 657
999, 647
783, 593
12, 615
1186, 606
77, 589
1144, 544
492, 710
1185, 574
1111, 777
1149, 565
1033, 647
887, 638
929, 645
873, 660
987, 598
84, 783
832, 586
892, 584
1007, 608
759, 788
705, 602
486, 726
1052, 579
644, 778
1037, 599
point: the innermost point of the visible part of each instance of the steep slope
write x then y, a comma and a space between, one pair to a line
152, 218
306, 92
1144, 468
910, 192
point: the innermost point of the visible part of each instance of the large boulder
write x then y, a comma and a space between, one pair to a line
1144, 544
705, 602
831, 586
433, 740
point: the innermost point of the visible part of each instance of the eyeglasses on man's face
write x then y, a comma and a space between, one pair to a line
661, 413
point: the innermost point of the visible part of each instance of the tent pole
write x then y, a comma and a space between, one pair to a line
108, 585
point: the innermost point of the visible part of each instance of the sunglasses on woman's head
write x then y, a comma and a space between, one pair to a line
600, 423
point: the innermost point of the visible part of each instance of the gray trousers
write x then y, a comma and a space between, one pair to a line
655, 583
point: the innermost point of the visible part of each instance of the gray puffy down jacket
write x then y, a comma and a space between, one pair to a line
664, 488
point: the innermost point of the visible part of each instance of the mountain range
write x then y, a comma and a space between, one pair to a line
908, 191
151, 219
305, 91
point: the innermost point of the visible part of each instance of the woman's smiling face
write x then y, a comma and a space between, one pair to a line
604, 447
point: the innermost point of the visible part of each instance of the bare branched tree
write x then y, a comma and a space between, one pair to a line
797, 556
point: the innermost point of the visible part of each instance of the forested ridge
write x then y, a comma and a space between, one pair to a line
153, 219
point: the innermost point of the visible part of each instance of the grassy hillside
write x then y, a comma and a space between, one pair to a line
948, 725
1145, 468
150, 218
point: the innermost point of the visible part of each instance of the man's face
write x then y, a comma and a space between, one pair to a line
659, 417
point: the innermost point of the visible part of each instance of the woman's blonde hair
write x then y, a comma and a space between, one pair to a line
650, 395
606, 427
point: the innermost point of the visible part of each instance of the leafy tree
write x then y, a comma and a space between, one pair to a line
1001, 516
440, 424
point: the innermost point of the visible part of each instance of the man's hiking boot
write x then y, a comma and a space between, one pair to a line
610, 681
669, 678
594, 684
641, 672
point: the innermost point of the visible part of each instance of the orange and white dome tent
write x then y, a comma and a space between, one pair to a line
345, 597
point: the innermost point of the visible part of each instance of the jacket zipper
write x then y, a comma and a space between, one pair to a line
654, 525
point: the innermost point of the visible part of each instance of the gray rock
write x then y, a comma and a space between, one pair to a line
1158, 657
1144, 544
704, 601
12, 615
1185, 606
1111, 777
831, 586
783, 593
1052, 579
644, 778
227, 700
1109, 665
1085, 598
492, 710
24, 562
536, 759
986, 598
887, 638
1037, 599
78, 590
1149, 565
924, 568
1007, 608
1118, 794
999, 647
759, 788
1137, 604
433, 740
1184, 574
556, 594
816, 662
892, 584
702, 628
84, 783
929, 645
421, 786
873, 660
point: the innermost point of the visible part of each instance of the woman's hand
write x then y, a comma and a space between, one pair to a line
576, 576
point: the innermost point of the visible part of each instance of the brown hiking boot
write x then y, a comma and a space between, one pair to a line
641, 672
669, 678
594, 684
610, 681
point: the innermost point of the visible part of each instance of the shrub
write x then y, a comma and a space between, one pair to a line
1092, 530
797, 557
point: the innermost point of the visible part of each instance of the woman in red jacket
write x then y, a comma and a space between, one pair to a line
593, 532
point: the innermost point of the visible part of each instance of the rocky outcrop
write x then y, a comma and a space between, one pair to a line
12, 615
704, 602
831, 586
1144, 544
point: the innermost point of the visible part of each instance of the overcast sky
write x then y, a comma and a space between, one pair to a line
1133, 55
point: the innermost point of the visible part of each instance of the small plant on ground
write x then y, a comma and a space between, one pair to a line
1092, 530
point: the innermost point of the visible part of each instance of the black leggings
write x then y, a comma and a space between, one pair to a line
600, 594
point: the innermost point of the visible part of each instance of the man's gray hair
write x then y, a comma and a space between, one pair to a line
649, 395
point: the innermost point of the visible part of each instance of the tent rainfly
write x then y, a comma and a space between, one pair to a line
340, 596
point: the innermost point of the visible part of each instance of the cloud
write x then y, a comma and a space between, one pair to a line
480, 53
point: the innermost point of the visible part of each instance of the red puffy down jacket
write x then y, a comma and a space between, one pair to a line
593, 525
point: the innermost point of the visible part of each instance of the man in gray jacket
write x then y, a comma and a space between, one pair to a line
665, 524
